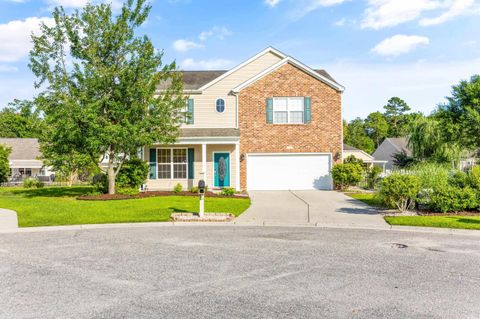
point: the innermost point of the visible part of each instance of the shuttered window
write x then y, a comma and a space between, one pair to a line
290, 110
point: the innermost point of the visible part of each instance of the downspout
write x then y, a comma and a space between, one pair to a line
236, 108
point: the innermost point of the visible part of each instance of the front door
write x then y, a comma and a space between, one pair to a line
221, 166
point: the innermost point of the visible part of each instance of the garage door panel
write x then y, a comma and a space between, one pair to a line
288, 171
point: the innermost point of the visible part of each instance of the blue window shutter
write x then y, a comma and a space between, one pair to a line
191, 157
269, 110
153, 163
307, 110
190, 108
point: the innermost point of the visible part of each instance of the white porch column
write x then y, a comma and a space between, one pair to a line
204, 162
237, 166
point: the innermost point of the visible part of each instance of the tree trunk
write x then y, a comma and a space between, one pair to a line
111, 179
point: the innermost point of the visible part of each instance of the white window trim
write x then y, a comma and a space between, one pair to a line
171, 163
288, 111
224, 105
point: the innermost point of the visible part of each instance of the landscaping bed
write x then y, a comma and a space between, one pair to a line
105, 197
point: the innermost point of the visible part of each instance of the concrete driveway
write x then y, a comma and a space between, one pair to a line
328, 208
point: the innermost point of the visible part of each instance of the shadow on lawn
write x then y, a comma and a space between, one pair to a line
178, 210
63, 191
468, 221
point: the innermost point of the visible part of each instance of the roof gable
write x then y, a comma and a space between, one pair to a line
22, 148
319, 76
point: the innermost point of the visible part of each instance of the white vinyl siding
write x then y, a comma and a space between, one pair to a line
206, 115
288, 110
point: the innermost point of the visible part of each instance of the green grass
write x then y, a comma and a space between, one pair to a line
367, 198
51, 206
463, 222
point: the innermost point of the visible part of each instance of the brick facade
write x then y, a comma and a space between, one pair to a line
322, 134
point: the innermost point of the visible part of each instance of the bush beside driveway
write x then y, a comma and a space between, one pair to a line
55, 206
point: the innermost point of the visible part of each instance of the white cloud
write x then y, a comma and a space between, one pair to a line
271, 3
341, 22
399, 44
457, 7
182, 45
423, 85
211, 64
15, 42
216, 33
388, 13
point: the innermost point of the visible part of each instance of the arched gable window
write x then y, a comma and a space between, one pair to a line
220, 105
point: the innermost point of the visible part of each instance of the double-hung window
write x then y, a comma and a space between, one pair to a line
172, 163
288, 110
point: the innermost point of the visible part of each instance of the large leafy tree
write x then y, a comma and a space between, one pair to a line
377, 127
460, 116
356, 136
4, 163
21, 119
100, 80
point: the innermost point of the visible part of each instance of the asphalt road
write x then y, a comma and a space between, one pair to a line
238, 272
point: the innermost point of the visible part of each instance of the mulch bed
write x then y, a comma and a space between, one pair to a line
154, 194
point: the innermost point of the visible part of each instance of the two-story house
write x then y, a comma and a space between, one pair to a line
270, 123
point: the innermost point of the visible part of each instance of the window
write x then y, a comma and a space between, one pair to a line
172, 163
288, 110
220, 105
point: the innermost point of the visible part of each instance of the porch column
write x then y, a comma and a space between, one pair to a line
204, 162
237, 166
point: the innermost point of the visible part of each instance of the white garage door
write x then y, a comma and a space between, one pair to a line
288, 171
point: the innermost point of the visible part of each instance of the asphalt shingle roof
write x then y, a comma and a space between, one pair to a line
22, 148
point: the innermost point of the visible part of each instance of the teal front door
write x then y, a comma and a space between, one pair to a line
221, 165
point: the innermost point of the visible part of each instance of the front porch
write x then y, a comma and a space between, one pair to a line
209, 154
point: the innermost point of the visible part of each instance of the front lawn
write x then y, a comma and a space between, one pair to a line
51, 206
463, 222
368, 198
448, 221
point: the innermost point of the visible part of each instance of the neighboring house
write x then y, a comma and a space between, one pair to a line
24, 159
270, 123
389, 147
362, 155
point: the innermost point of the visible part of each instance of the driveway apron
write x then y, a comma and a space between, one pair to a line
327, 208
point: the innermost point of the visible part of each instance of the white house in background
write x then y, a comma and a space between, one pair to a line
24, 159
362, 155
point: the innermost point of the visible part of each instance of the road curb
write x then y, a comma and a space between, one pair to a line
431, 230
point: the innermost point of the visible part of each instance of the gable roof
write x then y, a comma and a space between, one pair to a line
400, 143
22, 148
347, 147
201, 80
330, 82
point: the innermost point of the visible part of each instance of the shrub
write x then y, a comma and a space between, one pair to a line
177, 188
228, 191
127, 191
373, 176
132, 174
474, 177
453, 199
100, 183
32, 183
353, 160
432, 175
400, 190
345, 175
459, 179
194, 189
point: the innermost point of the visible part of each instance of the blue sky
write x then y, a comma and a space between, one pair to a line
414, 49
